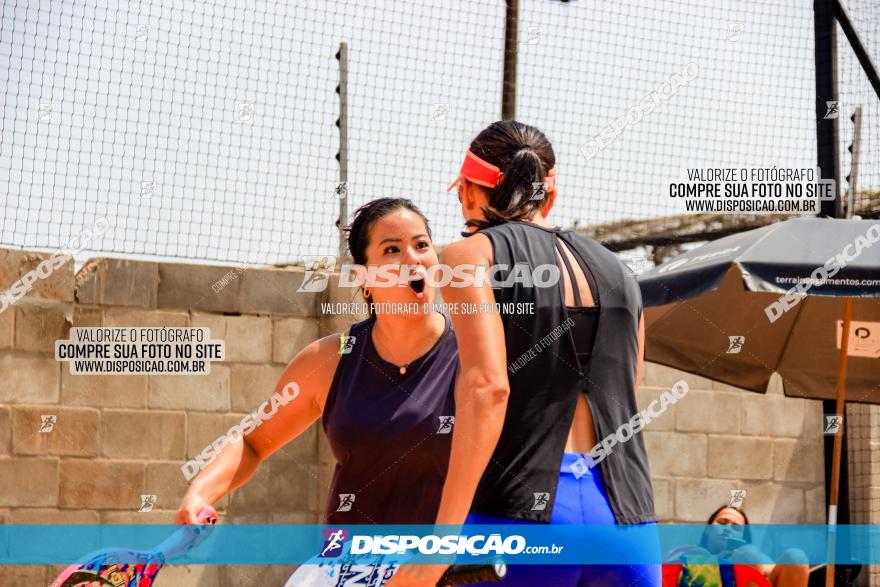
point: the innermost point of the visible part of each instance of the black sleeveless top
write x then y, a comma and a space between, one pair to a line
390, 433
523, 472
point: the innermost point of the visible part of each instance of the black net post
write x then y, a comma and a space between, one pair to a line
511, 41
827, 104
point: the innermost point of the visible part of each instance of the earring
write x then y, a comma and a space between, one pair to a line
366, 293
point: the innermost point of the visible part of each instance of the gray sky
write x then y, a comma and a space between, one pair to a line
205, 130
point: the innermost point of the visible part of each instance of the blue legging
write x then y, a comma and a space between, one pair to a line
580, 499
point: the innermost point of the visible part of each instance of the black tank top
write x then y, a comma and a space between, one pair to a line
391, 433
547, 373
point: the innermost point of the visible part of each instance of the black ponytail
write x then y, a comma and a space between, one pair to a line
524, 155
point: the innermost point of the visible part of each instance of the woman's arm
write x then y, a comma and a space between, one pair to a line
481, 388
311, 371
481, 391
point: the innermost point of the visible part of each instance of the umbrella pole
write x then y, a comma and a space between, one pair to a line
838, 440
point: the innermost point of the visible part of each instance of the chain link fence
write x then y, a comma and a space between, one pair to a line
207, 131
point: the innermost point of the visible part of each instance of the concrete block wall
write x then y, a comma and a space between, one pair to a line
718, 438
120, 437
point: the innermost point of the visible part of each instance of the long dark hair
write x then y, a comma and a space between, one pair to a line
358, 232
524, 155
747, 532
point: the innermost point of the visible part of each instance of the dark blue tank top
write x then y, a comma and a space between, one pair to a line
391, 433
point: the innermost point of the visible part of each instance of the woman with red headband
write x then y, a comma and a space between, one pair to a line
537, 392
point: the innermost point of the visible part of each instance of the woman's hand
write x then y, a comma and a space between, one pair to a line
417, 576
190, 507
675, 555
238, 461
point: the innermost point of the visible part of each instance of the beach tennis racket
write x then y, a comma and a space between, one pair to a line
343, 573
105, 569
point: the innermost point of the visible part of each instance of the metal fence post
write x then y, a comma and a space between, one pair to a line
342, 155
511, 45
827, 104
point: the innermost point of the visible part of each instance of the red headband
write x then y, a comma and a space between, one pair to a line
487, 175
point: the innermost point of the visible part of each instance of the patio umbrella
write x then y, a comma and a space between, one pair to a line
775, 300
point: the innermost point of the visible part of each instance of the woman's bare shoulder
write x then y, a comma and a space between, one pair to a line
476, 248
314, 366
325, 348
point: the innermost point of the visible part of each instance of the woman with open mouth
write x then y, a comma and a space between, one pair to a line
384, 390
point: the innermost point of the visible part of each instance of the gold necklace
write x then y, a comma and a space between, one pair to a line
402, 368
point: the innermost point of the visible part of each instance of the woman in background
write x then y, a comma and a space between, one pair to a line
728, 537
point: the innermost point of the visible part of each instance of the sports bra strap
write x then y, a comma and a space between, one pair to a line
588, 275
570, 270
